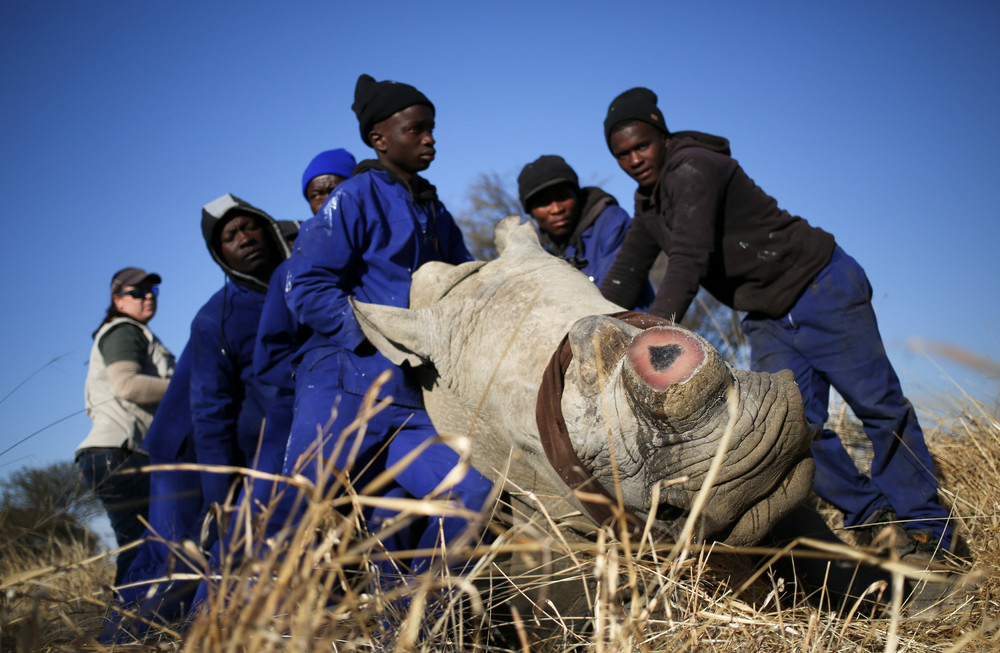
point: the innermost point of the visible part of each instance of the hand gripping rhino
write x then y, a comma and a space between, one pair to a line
582, 411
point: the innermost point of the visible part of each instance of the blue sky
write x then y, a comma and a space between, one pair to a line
119, 120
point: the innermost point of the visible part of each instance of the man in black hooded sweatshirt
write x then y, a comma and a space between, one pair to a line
807, 303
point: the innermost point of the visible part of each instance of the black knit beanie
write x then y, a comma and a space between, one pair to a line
544, 172
634, 104
376, 101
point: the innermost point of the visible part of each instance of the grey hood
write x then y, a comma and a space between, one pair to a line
213, 216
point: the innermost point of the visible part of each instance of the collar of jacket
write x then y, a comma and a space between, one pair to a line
419, 188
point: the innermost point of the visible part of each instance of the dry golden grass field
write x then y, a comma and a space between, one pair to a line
533, 589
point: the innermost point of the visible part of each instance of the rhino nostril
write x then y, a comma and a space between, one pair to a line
667, 512
662, 357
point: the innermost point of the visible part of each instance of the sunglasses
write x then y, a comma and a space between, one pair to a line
140, 293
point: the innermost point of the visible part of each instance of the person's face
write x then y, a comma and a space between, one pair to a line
641, 151
405, 140
555, 210
319, 188
245, 248
141, 308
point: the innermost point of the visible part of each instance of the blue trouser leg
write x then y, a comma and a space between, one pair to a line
425, 473
258, 494
174, 509
830, 338
380, 523
837, 477
175, 497
314, 434
274, 440
401, 428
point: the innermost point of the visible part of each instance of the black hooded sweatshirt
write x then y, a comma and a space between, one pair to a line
719, 230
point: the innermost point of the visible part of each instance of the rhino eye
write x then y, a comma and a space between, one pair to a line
664, 356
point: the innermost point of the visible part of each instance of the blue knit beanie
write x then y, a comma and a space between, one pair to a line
338, 162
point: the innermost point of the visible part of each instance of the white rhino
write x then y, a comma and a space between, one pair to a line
640, 407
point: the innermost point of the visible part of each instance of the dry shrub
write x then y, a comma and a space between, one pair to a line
536, 584
52, 598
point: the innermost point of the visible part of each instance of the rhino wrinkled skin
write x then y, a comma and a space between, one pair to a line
648, 407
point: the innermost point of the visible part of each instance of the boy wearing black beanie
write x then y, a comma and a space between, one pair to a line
374, 231
807, 303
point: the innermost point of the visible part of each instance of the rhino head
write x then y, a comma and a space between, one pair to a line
645, 408
670, 400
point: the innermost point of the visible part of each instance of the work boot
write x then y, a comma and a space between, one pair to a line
926, 546
882, 531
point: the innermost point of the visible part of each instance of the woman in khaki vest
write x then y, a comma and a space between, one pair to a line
127, 376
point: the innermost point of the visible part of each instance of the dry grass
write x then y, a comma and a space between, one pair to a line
534, 587
46, 600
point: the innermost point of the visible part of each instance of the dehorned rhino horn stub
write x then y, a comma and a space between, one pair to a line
670, 372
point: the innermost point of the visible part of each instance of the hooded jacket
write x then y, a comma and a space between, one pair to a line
373, 232
227, 406
719, 230
212, 221
279, 337
171, 427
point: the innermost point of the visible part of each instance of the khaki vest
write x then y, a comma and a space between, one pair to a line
119, 422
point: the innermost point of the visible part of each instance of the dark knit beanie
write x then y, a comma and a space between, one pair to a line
376, 101
290, 228
634, 104
544, 172
338, 162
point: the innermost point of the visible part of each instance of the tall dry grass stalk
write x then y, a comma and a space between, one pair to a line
532, 584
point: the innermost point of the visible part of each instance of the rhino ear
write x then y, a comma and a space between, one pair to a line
598, 343
434, 279
401, 334
511, 233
